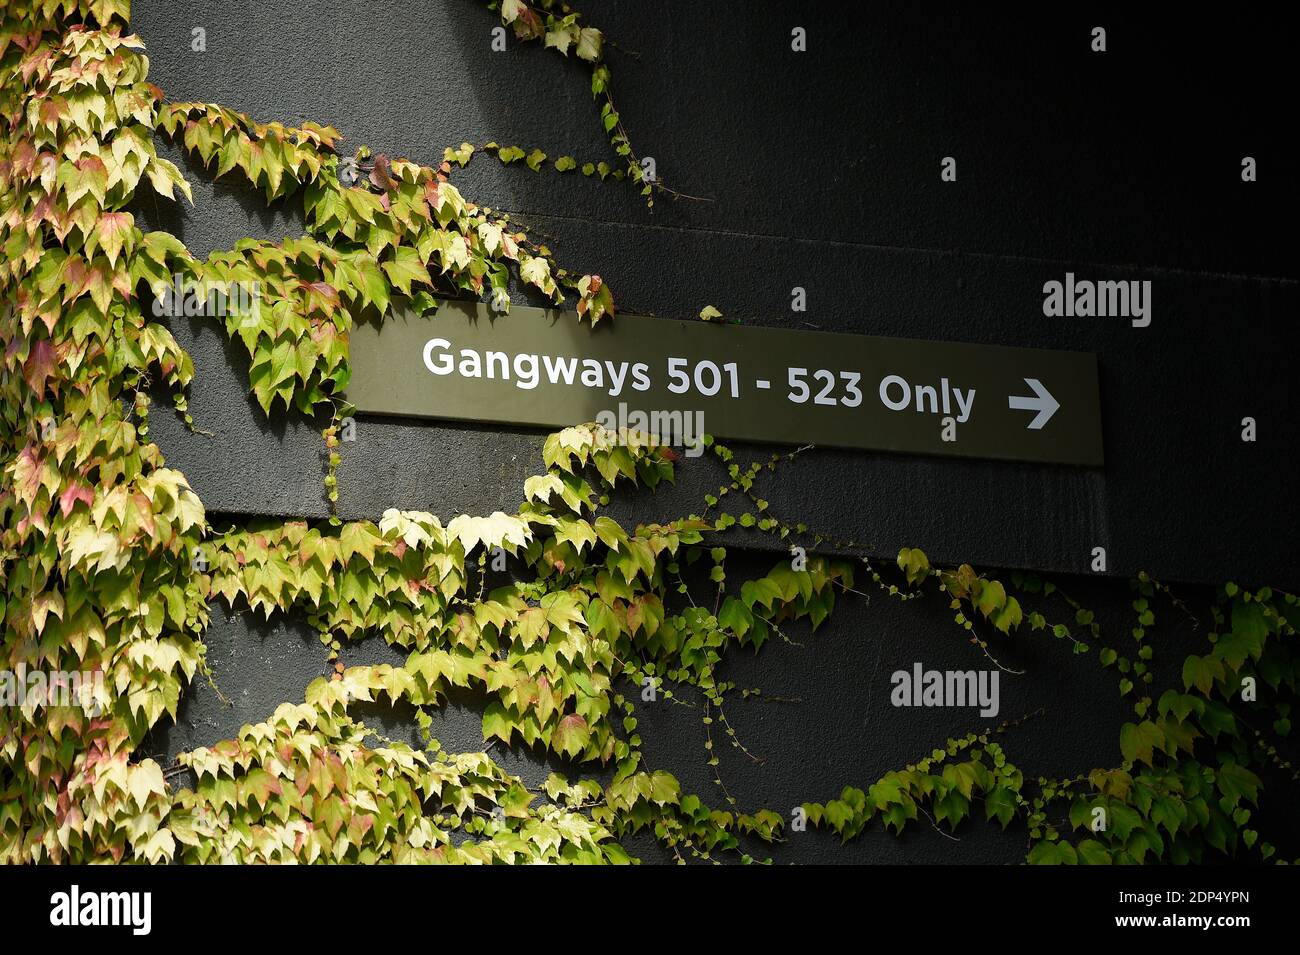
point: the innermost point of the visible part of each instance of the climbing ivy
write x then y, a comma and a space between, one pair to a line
110, 562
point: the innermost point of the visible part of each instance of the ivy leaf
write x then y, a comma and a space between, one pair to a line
914, 564
114, 230
560, 39
497, 723
540, 487
838, 814
1092, 852
1178, 736
371, 282
571, 735
664, 789
590, 41
405, 268
1000, 804
610, 533
735, 616
992, 596
1138, 742
260, 785
497, 530
1217, 719
332, 814
1053, 853
357, 539
1201, 672
537, 271
146, 779
39, 366
74, 492
1008, 616
1236, 782
762, 591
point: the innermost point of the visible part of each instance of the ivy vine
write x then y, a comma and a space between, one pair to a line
110, 562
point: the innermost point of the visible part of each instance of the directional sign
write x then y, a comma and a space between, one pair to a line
545, 368
1042, 402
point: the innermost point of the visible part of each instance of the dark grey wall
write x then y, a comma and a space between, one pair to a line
823, 171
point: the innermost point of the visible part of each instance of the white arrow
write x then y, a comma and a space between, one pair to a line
1043, 403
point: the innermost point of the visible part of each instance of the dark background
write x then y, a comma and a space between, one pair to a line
823, 172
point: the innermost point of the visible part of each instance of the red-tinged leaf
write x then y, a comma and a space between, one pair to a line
338, 772
323, 296
332, 815
260, 785
528, 25
51, 111
24, 157
571, 735
114, 229
380, 176
27, 475
76, 491
39, 367
358, 826
320, 777
433, 195
76, 276
143, 515
101, 285
35, 62
94, 178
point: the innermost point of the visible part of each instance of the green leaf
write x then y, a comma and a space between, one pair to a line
1201, 672
1000, 804
405, 268
1138, 742
735, 616
1092, 852
914, 564
1053, 853
1236, 782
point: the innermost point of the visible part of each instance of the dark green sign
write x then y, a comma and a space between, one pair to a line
680, 379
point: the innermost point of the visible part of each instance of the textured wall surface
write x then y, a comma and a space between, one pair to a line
822, 171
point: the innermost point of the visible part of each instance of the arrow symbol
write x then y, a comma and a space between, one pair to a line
1043, 403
